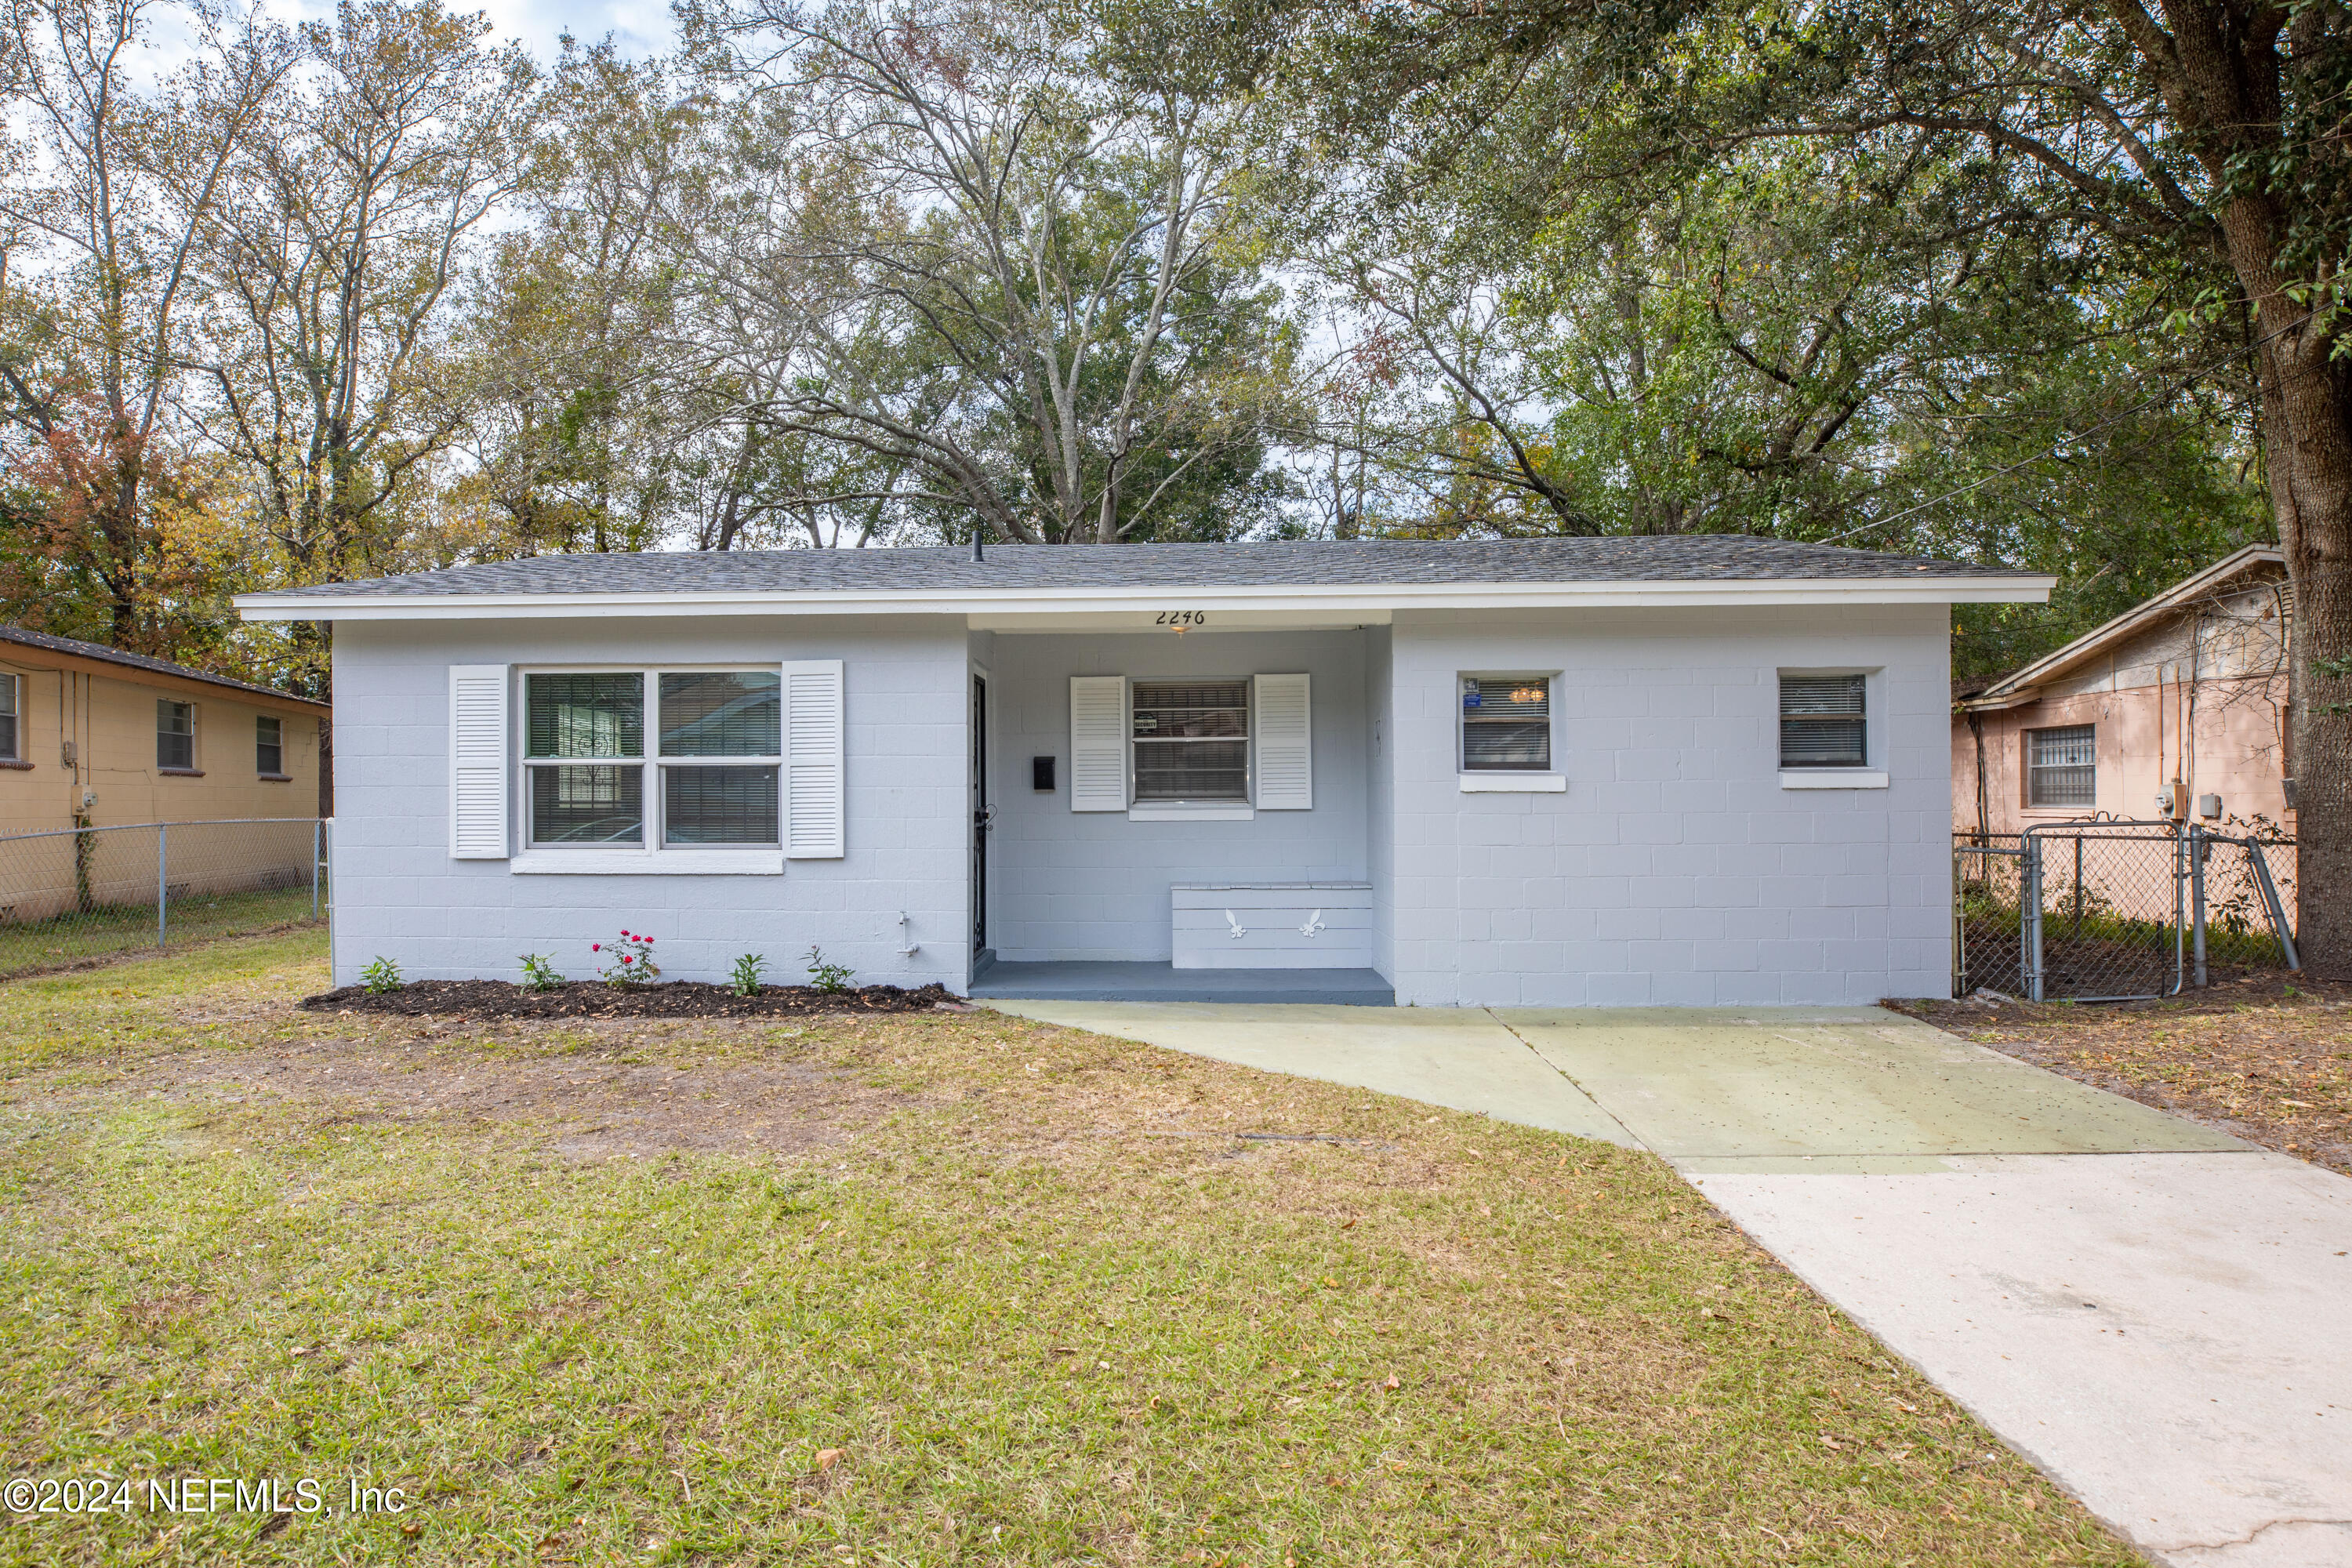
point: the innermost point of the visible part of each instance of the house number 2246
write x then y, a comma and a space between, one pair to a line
1182, 619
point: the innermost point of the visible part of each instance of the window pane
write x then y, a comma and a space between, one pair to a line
584, 716
1506, 724
269, 745
1821, 694
1822, 722
175, 734
721, 716
587, 806
8, 718
1191, 770
2063, 765
1488, 746
1191, 710
719, 806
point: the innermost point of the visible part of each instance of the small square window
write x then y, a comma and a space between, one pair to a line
8, 737
1822, 723
175, 733
2061, 765
269, 745
1506, 723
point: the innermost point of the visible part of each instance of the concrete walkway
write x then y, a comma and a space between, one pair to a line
2155, 1313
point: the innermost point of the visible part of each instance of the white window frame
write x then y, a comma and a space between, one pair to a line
1868, 773
14, 685
2034, 770
1551, 780
1240, 808
653, 855
194, 766
280, 773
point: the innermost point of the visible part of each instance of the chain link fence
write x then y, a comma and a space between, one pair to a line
2118, 910
82, 893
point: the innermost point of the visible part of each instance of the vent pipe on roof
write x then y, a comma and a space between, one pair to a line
978, 532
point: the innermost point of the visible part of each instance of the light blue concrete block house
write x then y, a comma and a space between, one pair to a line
1567, 771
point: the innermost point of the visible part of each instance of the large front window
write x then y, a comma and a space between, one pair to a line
715, 742
1192, 740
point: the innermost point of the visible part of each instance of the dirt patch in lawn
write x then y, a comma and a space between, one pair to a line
2263, 1059
598, 1101
593, 999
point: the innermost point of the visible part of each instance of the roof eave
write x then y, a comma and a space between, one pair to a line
2022, 685
1921, 590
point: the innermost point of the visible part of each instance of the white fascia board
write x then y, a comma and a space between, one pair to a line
1355, 600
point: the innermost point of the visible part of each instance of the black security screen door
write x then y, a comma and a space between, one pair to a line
979, 813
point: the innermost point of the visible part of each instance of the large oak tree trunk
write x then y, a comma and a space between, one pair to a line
2307, 441
2225, 70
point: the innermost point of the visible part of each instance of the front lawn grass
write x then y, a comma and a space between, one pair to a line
923, 1290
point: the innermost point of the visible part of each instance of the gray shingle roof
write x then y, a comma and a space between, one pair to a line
1688, 558
80, 650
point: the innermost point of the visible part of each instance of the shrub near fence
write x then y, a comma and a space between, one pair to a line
94, 892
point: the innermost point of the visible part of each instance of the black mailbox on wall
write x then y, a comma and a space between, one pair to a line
1040, 774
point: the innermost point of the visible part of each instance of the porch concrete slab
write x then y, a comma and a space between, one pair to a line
2162, 1333
1459, 1058
1079, 980
1820, 1083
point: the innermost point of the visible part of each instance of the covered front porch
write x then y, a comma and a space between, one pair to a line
1179, 818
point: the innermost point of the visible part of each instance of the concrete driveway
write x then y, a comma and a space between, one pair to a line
2155, 1313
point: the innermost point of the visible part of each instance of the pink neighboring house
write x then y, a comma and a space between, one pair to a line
2165, 707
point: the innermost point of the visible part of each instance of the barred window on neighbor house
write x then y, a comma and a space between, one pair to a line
175, 734
270, 746
718, 743
1822, 721
2062, 766
9, 748
1506, 723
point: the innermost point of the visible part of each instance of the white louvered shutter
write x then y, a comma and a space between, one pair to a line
477, 761
814, 829
1285, 744
1098, 743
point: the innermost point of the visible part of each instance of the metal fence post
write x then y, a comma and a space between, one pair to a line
318, 848
162, 884
2262, 868
2198, 846
2030, 905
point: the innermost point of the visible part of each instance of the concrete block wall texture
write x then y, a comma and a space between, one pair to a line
1094, 885
1676, 869
399, 895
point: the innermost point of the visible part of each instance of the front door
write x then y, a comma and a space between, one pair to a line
979, 814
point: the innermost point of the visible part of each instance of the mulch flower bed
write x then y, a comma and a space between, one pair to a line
594, 999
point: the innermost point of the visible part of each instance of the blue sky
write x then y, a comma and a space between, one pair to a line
640, 27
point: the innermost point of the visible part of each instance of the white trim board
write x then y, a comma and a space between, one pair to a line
985, 609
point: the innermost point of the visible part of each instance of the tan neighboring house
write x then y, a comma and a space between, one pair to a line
93, 737
2177, 707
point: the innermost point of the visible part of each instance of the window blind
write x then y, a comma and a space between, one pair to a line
1823, 724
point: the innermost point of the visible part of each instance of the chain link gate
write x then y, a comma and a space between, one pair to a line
2115, 911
